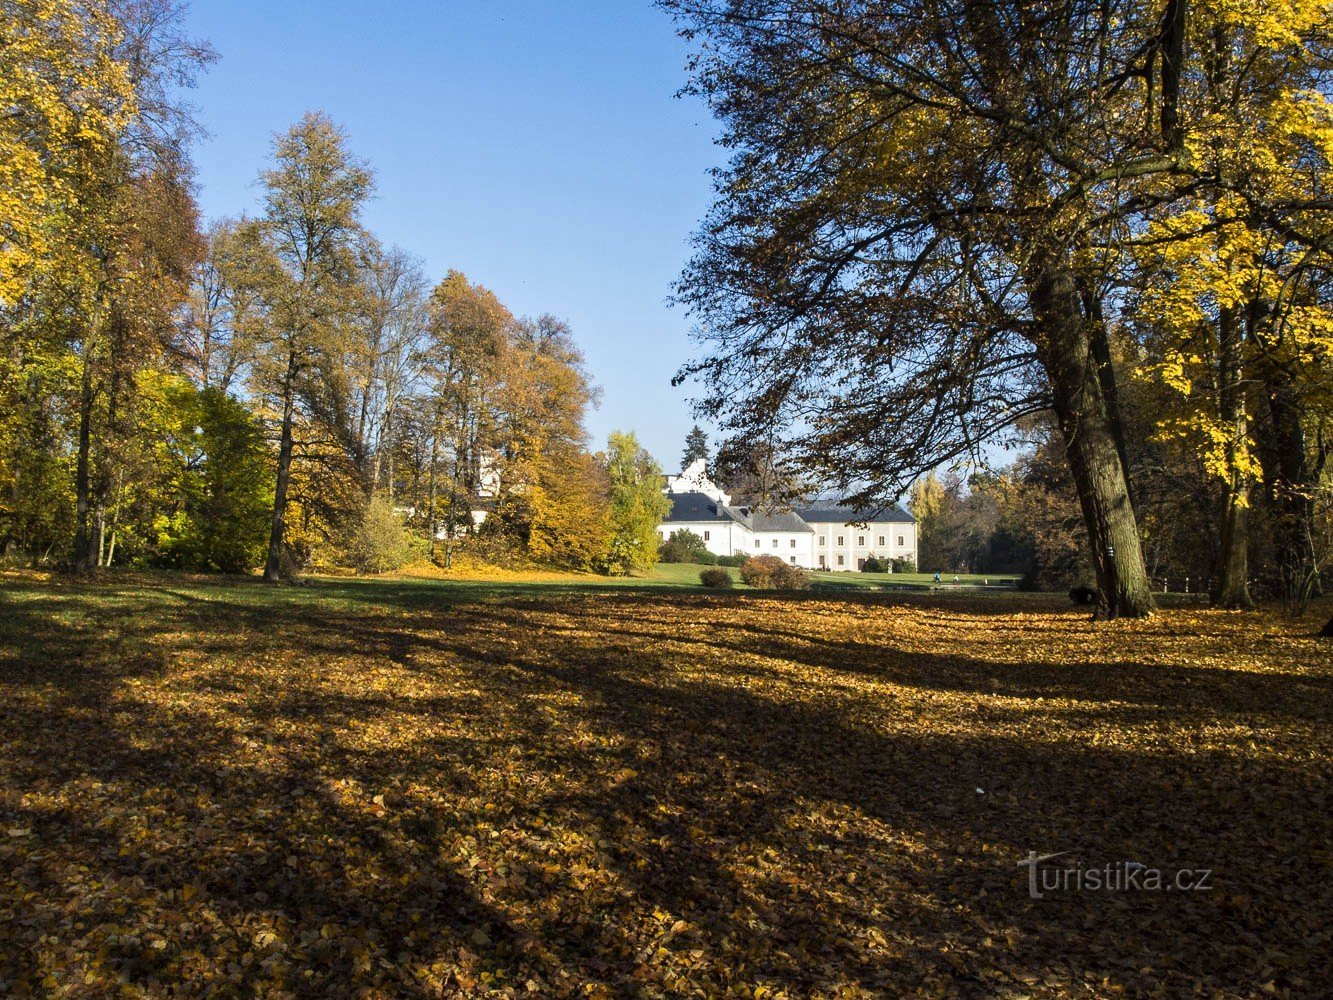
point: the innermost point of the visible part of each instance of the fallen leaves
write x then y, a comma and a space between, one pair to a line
601, 794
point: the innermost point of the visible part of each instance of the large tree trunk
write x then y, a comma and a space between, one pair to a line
1065, 343
273, 568
1289, 484
1233, 565
1327, 630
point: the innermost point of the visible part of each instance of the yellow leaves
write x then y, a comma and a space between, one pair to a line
70, 100
420, 791
1272, 24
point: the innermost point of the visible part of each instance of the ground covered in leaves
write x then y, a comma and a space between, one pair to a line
382, 790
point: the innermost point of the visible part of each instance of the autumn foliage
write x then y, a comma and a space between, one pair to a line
374, 789
770, 572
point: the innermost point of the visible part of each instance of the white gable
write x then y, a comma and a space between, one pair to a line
694, 479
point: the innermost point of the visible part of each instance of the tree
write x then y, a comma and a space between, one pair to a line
696, 447
467, 339
385, 353
68, 100
637, 505
215, 467
757, 476
909, 252
299, 259
551, 494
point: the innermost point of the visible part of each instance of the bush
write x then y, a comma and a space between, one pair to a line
716, 577
380, 543
734, 561
682, 547
904, 565
770, 572
706, 558
875, 565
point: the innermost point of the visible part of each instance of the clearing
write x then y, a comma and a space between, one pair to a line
424, 788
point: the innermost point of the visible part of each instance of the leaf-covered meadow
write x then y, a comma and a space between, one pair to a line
419, 789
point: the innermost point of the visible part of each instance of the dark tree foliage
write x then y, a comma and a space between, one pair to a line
696, 446
902, 261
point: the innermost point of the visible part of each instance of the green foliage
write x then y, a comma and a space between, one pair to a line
902, 564
771, 573
715, 577
735, 560
696, 447
637, 505
218, 475
380, 543
875, 565
684, 546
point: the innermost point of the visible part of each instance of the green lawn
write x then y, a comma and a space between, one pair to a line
687, 574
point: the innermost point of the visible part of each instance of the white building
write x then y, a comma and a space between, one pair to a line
824, 537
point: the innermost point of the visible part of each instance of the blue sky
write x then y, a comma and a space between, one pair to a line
536, 146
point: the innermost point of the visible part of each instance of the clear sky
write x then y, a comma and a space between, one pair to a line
535, 145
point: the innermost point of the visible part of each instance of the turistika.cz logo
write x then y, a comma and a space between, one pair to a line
1115, 876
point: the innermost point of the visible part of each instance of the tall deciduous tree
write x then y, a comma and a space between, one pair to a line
637, 504
300, 260
68, 100
900, 262
467, 342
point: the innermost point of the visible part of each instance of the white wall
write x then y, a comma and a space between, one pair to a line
786, 545
722, 538
859, 542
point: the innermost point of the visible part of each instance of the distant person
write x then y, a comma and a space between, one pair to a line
955, 579
937, 576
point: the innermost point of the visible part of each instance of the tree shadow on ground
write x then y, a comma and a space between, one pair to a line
652, 795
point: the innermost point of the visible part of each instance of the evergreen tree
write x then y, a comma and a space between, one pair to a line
696, 447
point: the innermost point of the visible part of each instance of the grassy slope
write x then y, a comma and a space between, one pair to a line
424, 788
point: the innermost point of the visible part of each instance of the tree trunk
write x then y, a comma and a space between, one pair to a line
1233, 565
1289, 483
83, 536
1066, 349
1327, 630
273, 568
430, 491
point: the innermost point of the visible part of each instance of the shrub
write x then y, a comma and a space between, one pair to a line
716, 577
875, 565
706, 558
734, 561
683, 546
904, 565
772, 573
380, 543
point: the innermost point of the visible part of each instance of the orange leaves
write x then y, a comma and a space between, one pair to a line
409, 791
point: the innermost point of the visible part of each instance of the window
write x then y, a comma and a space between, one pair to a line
793, 560
881, 540
842, 560
823, 540
707, 536
861, 565
793, 543
756, 543
860, 541
900, 541
823, 560
775, 543
842, 540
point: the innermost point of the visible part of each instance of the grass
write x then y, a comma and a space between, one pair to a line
433, 788
687, 575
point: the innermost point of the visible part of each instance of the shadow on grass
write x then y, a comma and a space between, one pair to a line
632, 790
